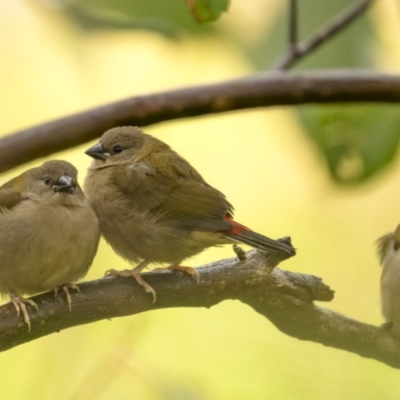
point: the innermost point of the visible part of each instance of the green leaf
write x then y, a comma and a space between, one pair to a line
207, 10
356, 141
170, 18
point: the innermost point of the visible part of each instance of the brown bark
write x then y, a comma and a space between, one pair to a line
285, 298
262, 90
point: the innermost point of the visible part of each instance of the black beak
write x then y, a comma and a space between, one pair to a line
97, 152
65, 184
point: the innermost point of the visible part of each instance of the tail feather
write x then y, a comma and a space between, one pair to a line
260, 242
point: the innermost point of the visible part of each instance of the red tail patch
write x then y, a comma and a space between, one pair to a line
237, 228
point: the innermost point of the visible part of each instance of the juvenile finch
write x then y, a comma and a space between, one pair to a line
154, 207
48, 233
389, 254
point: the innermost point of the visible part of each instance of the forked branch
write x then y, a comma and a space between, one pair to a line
297, 51
285, 298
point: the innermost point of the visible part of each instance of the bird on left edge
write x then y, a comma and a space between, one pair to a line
49, 234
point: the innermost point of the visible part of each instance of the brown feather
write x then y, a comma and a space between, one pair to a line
152, 203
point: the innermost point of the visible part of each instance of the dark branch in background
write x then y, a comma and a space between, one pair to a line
260, 90
285, 298
297, 51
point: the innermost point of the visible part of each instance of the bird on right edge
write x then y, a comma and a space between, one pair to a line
154, 207
389, 255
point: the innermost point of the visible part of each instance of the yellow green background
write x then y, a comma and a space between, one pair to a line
267, 168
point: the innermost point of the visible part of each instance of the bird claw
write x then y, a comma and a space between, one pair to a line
19, 304
136, 275
113, 272
144, 284
66, 291
188, 270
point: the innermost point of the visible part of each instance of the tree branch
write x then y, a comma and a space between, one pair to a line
298, 51
260, 90
285, 298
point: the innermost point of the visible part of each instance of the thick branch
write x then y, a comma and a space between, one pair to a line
283, 297
257, 91
296, 51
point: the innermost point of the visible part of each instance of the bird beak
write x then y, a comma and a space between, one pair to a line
97, 152
65, 184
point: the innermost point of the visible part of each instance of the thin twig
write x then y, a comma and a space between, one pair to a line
262, 90
323, 34
293, 25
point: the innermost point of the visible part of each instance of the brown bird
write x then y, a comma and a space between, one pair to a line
48, 233
389, 254
154, 207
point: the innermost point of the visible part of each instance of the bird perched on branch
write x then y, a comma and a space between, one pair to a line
389, 254
154, 207
48, 233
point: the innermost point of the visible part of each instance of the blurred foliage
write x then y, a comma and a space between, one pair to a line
207, 10
355, 145
261, 159
357, 141
169, 18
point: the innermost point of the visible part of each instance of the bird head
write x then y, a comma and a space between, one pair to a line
53, 181
122, 145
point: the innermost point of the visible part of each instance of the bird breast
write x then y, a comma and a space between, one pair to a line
43, 246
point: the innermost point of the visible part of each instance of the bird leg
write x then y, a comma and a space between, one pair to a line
19, 304
66, 291
189, 270
135, 273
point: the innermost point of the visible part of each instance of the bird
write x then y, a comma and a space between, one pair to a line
49, 234
389, 255
154, 207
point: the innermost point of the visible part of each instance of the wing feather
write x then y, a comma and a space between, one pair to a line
182, 201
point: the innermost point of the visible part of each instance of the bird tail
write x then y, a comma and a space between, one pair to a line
244, 235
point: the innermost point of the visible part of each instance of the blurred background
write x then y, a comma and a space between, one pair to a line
329, 176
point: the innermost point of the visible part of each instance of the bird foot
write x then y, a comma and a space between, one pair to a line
19, 304
188, 270
114, 272
135, 274
66, 291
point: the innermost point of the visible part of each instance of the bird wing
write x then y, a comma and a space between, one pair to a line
11, 194
196, 206
183, 202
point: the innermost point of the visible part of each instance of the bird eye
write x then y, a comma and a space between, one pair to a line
47, 181
117, 149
